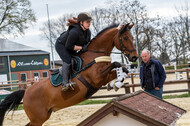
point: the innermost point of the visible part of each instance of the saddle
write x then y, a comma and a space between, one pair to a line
56, 74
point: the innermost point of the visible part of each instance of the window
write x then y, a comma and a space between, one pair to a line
2, 64
23, 76
45, 74
36, 74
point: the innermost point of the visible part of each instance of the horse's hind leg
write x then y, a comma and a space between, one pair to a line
37, 115
37, 118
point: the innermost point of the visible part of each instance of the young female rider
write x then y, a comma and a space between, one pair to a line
75, 38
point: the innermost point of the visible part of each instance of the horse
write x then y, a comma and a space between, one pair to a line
42, 98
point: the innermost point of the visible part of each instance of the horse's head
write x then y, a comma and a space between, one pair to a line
124, 42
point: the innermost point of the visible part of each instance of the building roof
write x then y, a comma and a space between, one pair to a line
140, 106
57, 62
9, 48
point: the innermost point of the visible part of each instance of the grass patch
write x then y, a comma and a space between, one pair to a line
87, 102
20, 107
176, 96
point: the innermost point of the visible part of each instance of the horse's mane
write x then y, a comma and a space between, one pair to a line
105, 29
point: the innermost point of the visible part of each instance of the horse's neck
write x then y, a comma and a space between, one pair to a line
104, 42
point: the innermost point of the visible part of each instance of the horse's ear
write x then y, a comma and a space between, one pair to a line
130, 26
119, 27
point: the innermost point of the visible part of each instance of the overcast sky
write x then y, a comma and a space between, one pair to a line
32, 38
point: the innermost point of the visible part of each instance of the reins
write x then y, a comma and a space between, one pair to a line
96, 60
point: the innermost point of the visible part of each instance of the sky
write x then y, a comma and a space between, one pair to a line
57, 8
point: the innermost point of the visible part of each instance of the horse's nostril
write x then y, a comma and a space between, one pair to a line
134, 58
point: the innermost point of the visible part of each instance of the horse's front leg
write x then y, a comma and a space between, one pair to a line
119, 73
109, 69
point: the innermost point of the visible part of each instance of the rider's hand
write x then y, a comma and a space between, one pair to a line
84, 48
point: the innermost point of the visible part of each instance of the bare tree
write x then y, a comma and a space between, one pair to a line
179, 30
15, 17
57, 26
176, 50
163, 42
101, 19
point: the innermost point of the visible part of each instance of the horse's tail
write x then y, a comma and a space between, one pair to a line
11, 102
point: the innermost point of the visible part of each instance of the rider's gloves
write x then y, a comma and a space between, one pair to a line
84, 48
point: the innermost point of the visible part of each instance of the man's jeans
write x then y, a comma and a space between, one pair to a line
157, 93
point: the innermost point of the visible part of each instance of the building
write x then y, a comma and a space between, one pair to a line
20, 62
58, 63
135, 109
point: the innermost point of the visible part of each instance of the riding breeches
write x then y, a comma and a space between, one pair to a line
62, 52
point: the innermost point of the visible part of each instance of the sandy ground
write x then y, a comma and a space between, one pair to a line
73, 115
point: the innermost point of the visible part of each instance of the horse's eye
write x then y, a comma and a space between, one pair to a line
125, 38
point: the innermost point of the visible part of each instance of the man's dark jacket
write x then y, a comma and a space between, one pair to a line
158, 73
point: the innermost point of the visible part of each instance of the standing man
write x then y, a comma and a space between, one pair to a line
152, 75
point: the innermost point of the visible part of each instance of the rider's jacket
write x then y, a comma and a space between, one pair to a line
75, 35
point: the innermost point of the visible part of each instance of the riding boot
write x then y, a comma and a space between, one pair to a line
66, 70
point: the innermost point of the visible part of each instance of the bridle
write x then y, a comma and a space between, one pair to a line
123, 48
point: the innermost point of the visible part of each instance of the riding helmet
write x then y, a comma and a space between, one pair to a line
84, 16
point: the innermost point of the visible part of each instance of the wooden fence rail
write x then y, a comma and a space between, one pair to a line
12, 81
20, 85
15, 85
127, 86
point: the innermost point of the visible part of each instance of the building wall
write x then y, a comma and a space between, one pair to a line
4, 69
119, 120
28, 64
30, 74
3, 65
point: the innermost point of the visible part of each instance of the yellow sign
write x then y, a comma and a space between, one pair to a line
13, 63
46, 62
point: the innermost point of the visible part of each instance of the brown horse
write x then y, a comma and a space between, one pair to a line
41, 99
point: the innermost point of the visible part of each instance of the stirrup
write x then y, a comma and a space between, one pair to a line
70, 85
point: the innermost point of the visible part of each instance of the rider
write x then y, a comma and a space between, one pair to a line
69, 43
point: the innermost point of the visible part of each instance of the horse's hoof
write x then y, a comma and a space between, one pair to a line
116, 88
109, 87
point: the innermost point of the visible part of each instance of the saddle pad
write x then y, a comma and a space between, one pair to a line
56, 79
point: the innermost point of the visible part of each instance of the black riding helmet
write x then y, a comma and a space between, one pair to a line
84, 16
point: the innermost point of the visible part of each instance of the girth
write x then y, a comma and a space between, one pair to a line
90, 89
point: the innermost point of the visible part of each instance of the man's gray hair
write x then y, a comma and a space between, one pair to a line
145, 50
